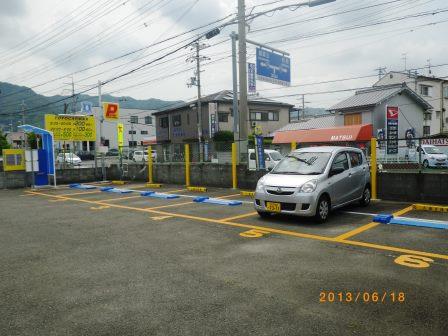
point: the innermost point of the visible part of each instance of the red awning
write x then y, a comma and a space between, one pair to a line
335, 134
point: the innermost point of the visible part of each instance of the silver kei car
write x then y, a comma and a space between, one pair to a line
313, 181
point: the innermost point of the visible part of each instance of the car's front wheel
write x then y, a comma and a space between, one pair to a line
322, 209
425, 164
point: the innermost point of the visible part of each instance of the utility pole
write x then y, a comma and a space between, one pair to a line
381, 72
303, 106
405, 59
100, 104
196, 81
199, 107
73, 97
243, 108
132, 132
236, 135
23, 111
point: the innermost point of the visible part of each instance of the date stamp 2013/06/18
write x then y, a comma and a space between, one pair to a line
362, 297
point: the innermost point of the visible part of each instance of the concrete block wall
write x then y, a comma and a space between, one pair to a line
413, 187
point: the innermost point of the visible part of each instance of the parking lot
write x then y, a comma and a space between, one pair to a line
80, 262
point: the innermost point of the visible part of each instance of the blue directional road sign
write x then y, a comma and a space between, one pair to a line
273, 68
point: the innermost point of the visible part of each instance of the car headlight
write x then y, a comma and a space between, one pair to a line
260, 185
431, 157
309, 186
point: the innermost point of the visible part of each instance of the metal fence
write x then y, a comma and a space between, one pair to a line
428, 155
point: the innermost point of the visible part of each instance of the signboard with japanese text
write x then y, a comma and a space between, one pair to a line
259, 153
212, 112
273, 68
111, 111
120, 136
251, 78
392, 129
71, 128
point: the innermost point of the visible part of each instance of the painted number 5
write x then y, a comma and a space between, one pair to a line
254, 233
413, 261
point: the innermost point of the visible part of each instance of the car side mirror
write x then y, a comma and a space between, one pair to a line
336, 171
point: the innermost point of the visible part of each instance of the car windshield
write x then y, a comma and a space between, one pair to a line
276, 156
432, 150
303, 163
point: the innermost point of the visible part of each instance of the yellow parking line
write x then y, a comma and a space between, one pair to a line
271, 230
370, 225
357, 231
403, 211
239, 216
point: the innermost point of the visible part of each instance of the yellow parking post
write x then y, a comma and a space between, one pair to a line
373, 166
293, 146
234, 159
150, 165
187, 165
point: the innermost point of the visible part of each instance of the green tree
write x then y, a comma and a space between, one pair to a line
33, 140
223, 136
3, 143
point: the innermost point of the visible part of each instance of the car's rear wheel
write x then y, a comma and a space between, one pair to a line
322, 209
366, 197
264, 214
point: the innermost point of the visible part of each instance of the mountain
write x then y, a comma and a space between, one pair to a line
309, 112
12, 96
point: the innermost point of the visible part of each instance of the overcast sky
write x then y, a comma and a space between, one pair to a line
43, 41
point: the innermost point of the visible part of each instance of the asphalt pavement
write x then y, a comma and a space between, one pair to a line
78, 262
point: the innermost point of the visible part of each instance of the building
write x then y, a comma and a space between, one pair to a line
432, 89
369, 107
16, 139
138, 128
355, 120
179, 123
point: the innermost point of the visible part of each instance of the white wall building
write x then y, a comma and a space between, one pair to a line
433, 90
139, 127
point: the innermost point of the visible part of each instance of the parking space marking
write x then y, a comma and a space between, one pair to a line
271, 230
250, 214
359, 213
369, 226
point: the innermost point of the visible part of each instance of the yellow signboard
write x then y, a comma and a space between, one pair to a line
13, 159
71, 128
120, 134
111, 111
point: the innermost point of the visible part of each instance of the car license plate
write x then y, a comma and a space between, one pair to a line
272, 206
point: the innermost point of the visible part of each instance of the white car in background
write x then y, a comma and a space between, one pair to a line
68, 158
432, 157
142, 156
271, 157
